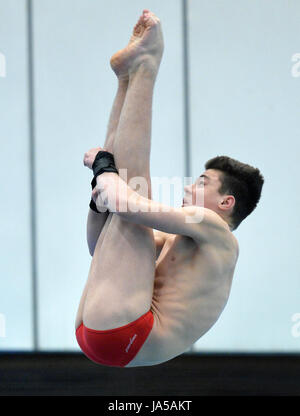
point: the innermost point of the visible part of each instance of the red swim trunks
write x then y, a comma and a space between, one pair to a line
115, 347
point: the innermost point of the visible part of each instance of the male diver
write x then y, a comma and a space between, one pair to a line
157, 281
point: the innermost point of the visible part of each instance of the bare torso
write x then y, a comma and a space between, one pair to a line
191, 288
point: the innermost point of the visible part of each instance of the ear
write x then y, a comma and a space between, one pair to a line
227, 202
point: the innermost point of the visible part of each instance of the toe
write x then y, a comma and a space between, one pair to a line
149, 17
138, 28
141, 20
146, 14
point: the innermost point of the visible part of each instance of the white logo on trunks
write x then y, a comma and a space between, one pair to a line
131, 342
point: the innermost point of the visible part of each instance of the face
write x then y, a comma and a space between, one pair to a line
204, 192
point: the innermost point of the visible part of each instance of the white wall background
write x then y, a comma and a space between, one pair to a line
244, 103
15, 243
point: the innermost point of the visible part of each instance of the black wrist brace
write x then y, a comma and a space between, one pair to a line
104, 162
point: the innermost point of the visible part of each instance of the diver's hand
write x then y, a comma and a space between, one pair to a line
89, 156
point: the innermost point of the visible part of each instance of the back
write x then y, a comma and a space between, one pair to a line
191, 288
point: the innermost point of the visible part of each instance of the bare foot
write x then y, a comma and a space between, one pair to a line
145, 46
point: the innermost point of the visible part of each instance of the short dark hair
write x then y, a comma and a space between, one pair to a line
242, 181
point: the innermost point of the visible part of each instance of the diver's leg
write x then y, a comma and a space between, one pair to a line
95, 220
123, 266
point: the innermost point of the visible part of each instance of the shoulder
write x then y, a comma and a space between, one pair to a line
208, 225
204, 216
221, 235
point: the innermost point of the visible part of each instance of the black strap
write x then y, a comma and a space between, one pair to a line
104, 162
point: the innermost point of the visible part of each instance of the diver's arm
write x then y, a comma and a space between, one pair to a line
192, 221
